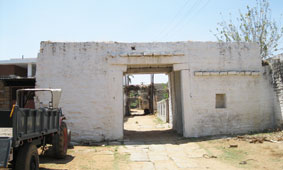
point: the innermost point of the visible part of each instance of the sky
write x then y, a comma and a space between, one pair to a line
25, 23
145, 78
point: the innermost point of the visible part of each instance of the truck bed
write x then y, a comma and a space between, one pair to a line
5, 146
6, 125
26, 124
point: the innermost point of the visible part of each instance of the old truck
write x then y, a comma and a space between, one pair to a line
24, 129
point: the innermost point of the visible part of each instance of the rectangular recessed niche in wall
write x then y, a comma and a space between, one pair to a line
220, 101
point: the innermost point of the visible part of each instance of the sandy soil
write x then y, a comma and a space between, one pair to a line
151, 144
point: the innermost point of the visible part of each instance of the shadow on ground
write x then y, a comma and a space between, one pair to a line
151, 137
51, 169
132, 137
45, 159
162, 137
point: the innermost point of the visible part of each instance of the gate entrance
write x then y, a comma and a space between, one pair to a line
152, 110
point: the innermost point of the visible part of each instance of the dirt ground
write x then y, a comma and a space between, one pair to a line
151, 144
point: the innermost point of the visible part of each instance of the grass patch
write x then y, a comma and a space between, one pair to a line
206, 149
118, 157
233, 156
157, 120
84, 167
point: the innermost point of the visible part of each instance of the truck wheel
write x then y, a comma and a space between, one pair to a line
27, 158
60, 142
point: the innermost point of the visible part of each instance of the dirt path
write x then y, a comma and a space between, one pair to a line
147, 129
150, 144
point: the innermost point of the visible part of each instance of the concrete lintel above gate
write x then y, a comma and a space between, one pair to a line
178, 67
147, 59
150, 54
149, 70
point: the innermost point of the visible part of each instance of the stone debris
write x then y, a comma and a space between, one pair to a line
209, 156
233, 146
261, 139
243, 162
246, 161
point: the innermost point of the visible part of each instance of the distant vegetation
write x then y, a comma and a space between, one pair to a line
254, 25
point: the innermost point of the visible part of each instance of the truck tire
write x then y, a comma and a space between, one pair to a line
27, 158
60, 142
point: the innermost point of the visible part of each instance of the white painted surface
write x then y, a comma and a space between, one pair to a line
6, 132
163, 110
177, 103
90, 75
19, 62
29, 70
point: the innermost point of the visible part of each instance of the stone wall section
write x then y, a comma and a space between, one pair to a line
276, 72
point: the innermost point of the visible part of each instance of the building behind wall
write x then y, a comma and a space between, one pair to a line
140, 96
215, 88
15, 74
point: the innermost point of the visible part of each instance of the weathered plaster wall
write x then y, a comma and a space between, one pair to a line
89, 89
248, 104
90, 75
177, 115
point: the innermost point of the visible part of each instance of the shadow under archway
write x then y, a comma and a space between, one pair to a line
151, 137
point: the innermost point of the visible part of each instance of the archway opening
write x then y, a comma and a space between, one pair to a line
152, 108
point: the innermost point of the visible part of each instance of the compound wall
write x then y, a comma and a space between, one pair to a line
223, 88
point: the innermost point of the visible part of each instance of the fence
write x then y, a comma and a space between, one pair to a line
163, 110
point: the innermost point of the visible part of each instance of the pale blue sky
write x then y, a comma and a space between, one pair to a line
24, 23
145, 78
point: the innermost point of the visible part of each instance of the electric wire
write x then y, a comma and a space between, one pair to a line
189, 11
172, 20
182, 27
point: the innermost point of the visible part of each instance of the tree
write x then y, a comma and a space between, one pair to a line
255, 25
165, 91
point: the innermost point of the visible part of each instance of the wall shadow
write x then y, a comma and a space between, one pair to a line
165, 137
45, 159
151, 137
51, 169
170, 136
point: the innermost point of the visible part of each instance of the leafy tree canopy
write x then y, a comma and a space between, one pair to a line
255, 25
